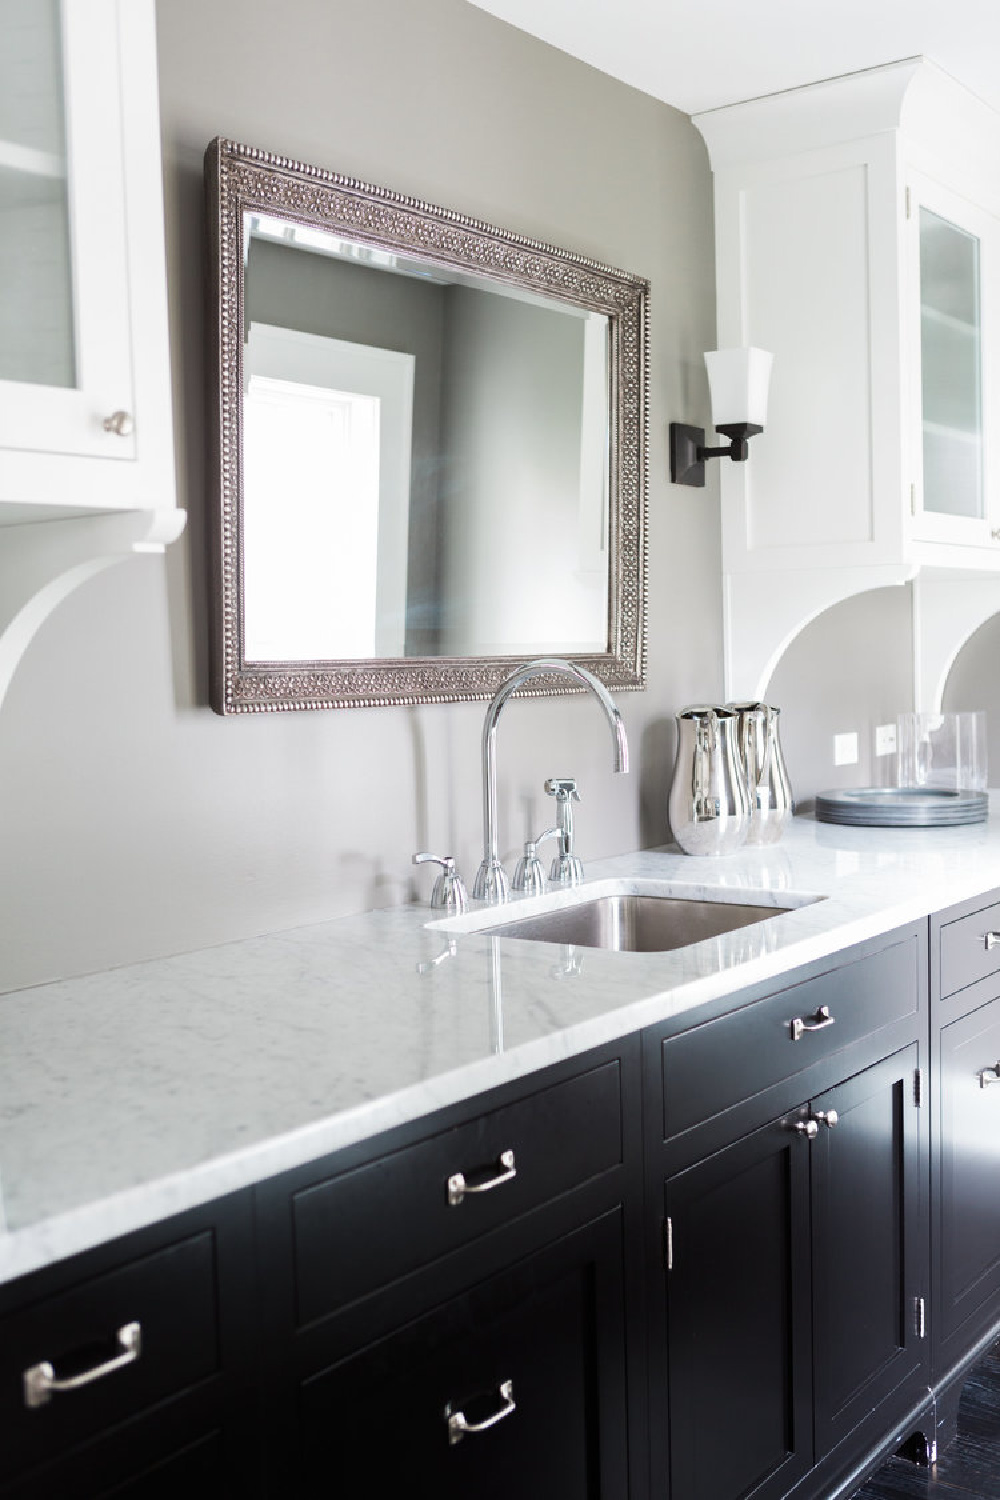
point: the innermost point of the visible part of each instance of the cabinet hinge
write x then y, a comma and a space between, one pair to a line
908, 204
919, 1318
668, 1244
918, 1087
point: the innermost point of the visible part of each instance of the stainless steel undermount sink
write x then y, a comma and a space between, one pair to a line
637, 919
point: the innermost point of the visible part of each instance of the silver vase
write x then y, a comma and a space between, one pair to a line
709, 804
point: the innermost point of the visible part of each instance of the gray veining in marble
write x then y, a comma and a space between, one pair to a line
129, 1095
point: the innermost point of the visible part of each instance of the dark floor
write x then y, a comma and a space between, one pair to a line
970, 1466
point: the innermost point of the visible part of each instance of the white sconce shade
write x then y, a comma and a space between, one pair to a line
738, 381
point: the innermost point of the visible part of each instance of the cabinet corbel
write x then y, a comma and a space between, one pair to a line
41, 563
764, 612
949, 606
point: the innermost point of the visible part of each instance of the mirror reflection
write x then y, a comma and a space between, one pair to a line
425, 458
431, 446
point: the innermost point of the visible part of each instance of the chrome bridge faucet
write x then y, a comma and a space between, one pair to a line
491, 883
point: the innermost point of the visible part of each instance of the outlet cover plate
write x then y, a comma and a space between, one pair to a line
885, 739
845, 749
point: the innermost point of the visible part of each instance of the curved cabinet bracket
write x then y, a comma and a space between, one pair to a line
41, 563
949, 605
764, 612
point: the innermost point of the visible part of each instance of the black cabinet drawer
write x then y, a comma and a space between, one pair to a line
361, 1230
718, 1065
170, 1295
970, 949
515, 1388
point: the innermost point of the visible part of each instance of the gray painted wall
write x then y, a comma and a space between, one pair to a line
135, 822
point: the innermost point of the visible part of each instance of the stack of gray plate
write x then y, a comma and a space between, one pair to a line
901, 807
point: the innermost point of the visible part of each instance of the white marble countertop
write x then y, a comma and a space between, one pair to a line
133, 1094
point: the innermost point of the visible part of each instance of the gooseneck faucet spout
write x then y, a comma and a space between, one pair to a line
491, 883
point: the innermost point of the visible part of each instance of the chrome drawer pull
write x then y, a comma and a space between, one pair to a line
459, 1425
458, 1187
818, 1021
41, 1382
989, 1075
991, 940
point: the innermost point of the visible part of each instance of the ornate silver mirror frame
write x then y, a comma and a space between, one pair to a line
242, 180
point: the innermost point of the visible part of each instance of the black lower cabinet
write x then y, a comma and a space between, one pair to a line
739, 1414
795, 1273
516, 1388
129, 1370
967, 1172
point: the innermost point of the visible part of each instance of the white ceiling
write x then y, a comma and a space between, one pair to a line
699, 54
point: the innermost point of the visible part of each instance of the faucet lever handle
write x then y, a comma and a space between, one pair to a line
449, 891
563, 788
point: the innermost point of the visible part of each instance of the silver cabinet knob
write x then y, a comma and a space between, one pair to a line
808, 1128
989, 1075
990, 941
121, 423
827, 1117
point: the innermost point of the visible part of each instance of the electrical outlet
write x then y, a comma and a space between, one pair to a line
845, 749
885, 739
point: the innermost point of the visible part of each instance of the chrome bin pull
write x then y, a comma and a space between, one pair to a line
818, 1021
41, 1382
459, 1425
458, 1186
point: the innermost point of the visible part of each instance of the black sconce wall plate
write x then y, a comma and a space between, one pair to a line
686, 446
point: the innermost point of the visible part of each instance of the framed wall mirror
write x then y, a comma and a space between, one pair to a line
429, 453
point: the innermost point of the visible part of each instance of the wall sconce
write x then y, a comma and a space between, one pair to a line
737, 380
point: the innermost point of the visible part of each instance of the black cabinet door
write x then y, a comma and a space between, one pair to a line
738, 1320
533, 1358
967, 1175
867, 1252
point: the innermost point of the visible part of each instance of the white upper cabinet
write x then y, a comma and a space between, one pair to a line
857, 228
85, 431
84, 376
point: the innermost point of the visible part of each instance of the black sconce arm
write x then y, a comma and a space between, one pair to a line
688, 452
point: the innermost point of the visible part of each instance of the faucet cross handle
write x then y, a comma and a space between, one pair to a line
449, 891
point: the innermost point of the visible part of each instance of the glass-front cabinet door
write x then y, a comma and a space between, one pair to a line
65, 355
954, 245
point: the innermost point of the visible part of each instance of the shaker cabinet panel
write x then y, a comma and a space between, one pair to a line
867, 1269
738, 1287
969, 949
517, 1387
169, 1299
967, 1171
720, 1064
408, 1207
